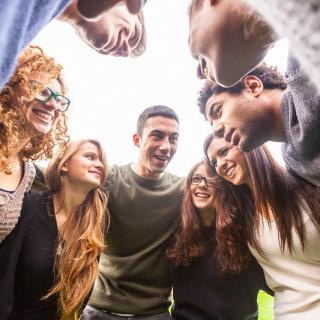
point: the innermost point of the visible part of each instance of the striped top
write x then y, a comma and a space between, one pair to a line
11, 202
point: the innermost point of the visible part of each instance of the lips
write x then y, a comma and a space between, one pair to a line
161, 157
96, 172
44, 116
202, 195
230, 172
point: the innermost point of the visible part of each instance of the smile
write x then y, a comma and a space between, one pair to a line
43, 115
230, 172
202, 195
161, 157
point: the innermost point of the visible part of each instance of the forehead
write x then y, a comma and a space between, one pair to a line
217, 98
88, 147
216, 145
46, 80
160, 123
202, 170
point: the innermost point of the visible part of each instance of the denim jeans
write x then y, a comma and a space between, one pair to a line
90, 313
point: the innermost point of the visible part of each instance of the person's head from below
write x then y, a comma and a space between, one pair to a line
248, 114
200, 188
204, 205
115, 29
78, 171
266, 190
33, 108
239, 168
82, 167
227, 38
157, 139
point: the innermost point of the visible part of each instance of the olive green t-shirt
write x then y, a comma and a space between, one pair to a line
134, 271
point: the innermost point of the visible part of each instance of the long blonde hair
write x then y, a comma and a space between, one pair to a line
82, 236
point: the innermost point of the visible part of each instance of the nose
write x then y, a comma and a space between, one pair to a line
201, 73
165, 145
98, 164
218, 130
52, 104
124, 50
202, 184
221, 167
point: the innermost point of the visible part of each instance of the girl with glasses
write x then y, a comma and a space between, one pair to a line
280, 226
32, 122
201, 289
50, 260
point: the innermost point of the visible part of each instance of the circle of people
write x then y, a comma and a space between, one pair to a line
80, 240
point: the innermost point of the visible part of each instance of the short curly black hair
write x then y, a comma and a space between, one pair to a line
270, 77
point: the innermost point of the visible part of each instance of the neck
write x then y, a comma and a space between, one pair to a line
68, 199
274, 102
146, 173
206, 217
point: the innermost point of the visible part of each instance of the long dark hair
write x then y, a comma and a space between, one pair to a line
275, 192
189, 241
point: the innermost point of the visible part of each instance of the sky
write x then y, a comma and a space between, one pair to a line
109, 93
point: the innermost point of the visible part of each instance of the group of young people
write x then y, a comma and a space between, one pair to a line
80, 240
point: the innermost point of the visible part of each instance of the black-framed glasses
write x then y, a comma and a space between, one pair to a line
197, 178
46, 94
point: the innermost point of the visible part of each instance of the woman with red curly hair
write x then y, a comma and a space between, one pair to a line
32, 122
203, 290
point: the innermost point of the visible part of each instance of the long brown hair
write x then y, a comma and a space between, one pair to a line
189, 242
19, 92
275, 192
82, 236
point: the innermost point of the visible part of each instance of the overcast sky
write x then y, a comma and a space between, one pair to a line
108, 94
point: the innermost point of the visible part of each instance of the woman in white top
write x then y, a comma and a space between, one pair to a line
280, 224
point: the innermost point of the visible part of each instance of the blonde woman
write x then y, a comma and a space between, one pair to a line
32, 122
53, 268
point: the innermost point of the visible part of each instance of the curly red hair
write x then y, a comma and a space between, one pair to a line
18, 92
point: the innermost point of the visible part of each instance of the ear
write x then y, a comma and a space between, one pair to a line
253, 85
136, 140
65, 167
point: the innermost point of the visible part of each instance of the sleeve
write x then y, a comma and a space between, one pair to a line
9, 256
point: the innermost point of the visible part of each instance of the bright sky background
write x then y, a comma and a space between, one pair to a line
108, 93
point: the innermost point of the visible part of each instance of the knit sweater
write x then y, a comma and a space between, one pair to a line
299, 21
11, 203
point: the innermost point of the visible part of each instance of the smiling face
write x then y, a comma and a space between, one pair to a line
41, 117
202, 194
229, 162
157, 144
84, 169
116, 31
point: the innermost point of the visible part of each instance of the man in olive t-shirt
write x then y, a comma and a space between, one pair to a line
144, 202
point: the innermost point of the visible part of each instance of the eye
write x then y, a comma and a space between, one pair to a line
223, 152
45, 93
173, 139
216, 111
90, 156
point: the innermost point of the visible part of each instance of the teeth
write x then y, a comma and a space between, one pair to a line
160, 157
43, 115
202, 195
230, 171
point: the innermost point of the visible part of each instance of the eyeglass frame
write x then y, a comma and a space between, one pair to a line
54, 96
208, 184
